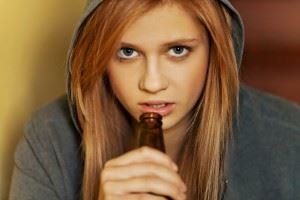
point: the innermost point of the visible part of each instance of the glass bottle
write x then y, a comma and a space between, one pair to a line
150, 132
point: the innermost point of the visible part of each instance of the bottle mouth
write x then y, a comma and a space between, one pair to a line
149, 115
152, 119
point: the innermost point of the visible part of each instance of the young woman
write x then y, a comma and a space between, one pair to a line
179, 58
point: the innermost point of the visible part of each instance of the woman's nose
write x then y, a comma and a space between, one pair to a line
153, 80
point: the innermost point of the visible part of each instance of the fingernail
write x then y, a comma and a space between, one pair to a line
175, 167
183, 187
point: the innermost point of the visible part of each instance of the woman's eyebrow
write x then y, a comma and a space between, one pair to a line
181, 41
167, 44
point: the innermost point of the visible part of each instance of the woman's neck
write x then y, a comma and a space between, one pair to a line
174, 139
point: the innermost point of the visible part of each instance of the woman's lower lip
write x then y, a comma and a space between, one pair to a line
162, 111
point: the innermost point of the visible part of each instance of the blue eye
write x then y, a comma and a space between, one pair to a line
179, 51
127, 53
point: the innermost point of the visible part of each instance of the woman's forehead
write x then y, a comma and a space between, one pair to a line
163, 23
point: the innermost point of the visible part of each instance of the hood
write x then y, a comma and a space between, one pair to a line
237, 34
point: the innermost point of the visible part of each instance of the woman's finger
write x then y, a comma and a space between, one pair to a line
140, 196
141, 169
143, 154
148, 184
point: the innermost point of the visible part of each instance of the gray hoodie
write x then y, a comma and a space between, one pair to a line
263, 161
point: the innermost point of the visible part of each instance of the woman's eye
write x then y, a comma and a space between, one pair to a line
127, 53
179, 51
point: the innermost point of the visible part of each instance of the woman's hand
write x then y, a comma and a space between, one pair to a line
143, 173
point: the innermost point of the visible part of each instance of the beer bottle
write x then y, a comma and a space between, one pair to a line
150, 133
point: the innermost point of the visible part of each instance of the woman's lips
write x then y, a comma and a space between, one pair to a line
163, 108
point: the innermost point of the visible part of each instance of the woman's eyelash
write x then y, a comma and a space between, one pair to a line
181, 46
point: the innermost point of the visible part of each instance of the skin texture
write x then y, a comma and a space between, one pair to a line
147, 66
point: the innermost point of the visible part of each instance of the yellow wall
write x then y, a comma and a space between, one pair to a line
34, 37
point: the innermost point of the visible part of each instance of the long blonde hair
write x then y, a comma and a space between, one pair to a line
104, 122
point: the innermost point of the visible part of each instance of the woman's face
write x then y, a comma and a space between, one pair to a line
161, 65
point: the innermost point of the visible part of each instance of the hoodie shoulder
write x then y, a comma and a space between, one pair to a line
53, 123
54, 114
270, 108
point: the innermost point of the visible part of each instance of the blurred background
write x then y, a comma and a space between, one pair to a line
34, 38
272, 54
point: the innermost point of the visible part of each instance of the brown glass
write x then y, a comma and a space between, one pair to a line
150, 131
